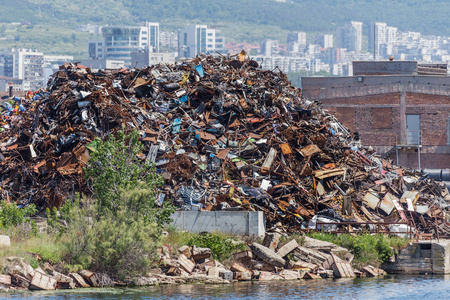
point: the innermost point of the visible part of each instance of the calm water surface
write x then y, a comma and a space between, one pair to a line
391, 287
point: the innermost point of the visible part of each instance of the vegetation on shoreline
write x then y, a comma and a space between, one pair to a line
367, 248
115, 233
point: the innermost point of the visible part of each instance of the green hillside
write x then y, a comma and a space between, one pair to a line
53, 22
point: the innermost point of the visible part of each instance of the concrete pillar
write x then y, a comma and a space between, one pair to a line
402, 112
440, 256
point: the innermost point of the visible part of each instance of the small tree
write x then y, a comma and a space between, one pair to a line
118, 231
122, 181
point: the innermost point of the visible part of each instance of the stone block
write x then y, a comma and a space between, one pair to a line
288, 248
79, 280
267, 255
185, 263
20, 281
265, 276
271, 240
42, 281
214, 272
243, 276
5, 280
226, 274
243, 255
89, 277
5, 241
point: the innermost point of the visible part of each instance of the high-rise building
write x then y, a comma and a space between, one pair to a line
350, 36
325, 40
269, 48
297, 37
381, 38
120, 41
27, 65
194, 40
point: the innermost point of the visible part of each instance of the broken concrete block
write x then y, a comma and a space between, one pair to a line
291, 275
185, 250
185, 263
267, 255
174, 271
373, 272
61, 277
243, 276
42, 281
5, 280
242, 255
5, 241
288, 248
20, 281
309, 255
226, 274
200, 253
326, 273
341, 268
214, 272
271, 240
309, 275
265, 276
28, 271
89, 277
236, 267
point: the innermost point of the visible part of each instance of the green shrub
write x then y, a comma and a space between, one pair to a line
368, 249
11, 215
117, 233
221, 247
114, 244
115, 169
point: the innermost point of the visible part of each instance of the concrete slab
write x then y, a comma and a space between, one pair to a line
232, 222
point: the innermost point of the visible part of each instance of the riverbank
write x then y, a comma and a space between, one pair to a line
186, 258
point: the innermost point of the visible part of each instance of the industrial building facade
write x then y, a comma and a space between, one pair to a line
401, 109
120, 41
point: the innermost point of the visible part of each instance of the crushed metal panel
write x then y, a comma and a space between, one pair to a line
310, 150
285, 149
269, 160
387, 205
413, 195
371, 199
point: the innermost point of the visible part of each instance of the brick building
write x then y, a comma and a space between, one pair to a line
401, 109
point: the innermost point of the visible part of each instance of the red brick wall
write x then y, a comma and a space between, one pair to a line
377, 119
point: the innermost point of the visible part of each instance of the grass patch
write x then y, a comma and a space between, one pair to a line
47, 248
368, 249
221, 245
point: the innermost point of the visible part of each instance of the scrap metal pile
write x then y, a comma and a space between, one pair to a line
224, 133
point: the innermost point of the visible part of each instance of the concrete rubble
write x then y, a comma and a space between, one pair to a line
225, 135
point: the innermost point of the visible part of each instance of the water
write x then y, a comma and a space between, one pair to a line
391, 287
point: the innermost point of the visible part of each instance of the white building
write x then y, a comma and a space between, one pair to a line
194, 40
350, 36
297, 37
119, 41
27, 65
325, 40
144, 59
382, 38
269, 48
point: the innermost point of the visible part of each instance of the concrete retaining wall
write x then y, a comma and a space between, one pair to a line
422, 257
233, 222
